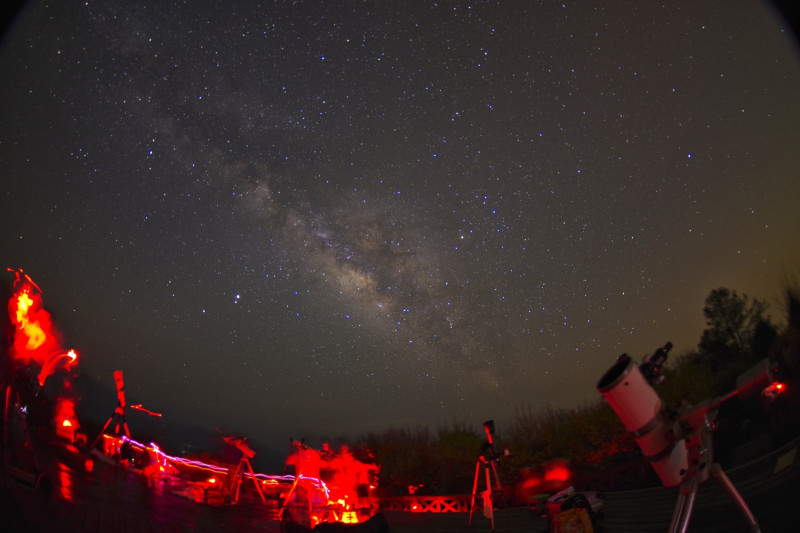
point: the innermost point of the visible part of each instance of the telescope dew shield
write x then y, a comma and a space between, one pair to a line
120, 387
639, 408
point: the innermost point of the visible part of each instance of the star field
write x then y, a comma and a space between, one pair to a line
336, 217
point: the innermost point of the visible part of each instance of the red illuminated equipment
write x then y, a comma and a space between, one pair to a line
139, 407
678, 444
35, 348
326, 487
772, 391
119, 412
68, 357
488, 458
244, 462
35, 337
66, 420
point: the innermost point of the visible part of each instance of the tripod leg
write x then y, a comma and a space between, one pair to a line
289, 495
255, 481
496, 477
683, 510
718, 474
500, 488
108, 423
474, 488
489, 497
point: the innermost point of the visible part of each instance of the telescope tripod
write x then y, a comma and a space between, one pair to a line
237, 478
119, 411
701, 465
489, 468
119, 416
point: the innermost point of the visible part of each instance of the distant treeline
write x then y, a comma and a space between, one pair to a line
591, 440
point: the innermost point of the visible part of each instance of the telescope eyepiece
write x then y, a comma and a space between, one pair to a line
652, 364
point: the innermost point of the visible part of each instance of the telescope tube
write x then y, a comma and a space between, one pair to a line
640, 409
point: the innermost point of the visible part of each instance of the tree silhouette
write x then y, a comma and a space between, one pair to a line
732, 322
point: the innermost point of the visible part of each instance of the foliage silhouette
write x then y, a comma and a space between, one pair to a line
591, 437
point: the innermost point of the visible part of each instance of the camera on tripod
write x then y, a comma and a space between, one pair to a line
487, 458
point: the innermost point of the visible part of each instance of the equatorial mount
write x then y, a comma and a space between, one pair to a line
678, 445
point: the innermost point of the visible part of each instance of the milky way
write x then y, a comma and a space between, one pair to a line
325, 218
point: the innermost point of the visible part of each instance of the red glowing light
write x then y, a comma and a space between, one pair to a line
35, 336
531, 481
772, 391
139, 407
557, 473
65, 483
344, 477
66, 419
50, 364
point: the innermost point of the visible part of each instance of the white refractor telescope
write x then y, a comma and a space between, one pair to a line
640, 409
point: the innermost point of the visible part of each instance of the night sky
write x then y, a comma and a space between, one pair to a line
305, 219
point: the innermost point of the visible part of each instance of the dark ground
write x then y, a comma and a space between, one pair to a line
69, 499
